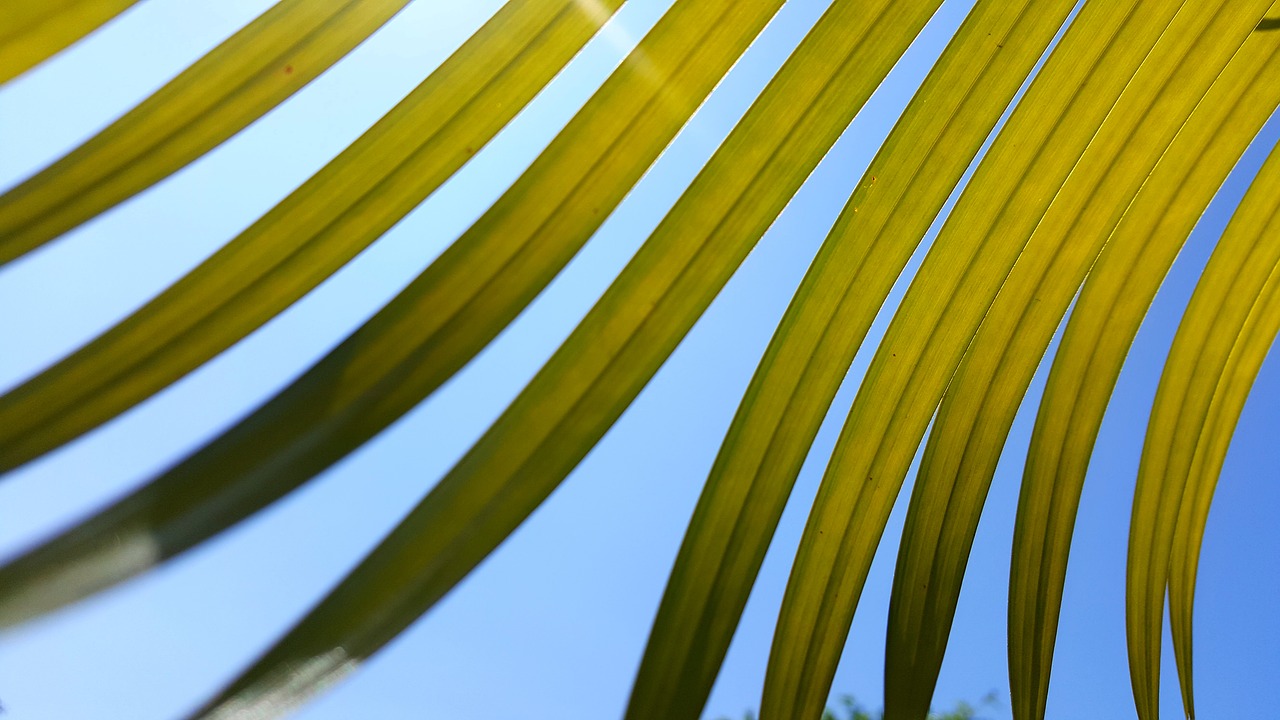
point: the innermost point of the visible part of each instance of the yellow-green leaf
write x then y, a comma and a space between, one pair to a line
423, 336
1242, 269
1096, 177
323, 224
892, 207
35, 30
990, 224
606, 361
1102, 326
983, 396
1255, 339
237, 82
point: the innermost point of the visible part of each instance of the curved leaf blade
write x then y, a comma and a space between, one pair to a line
1242, 266
606, 361
322, 225
1255, 340
35, 30
983, 396
424, 335
876, 233
1110, 308
223, 92
955, 285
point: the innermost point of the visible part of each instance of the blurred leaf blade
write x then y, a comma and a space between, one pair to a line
322, 225
233, 85
423, 336
984, 395
35, 30
609, 357
1089, 183
1009, 192
892, 207
1097, 337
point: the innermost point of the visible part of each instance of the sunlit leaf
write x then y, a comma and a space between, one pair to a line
423, 336
982, 238
234, 84
985, 393
336, 214
1228, 327
1102, 326
34, 30
596, 373
894, 203
1085, 195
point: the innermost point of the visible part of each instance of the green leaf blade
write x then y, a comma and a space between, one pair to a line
1255, 340
892, 207
956, 283
987, 389
35, 30
333, 216
428, 332
1105, 320
611, 355
233, 85
1242, 267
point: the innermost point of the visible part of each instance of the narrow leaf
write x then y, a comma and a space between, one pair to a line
423, 336
606, 361
336, 214
985, 393
1102, 326
1255, 339
892, 207
955, 285
234, 84
1237, 274
34, 30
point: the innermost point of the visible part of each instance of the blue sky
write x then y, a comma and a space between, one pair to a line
553, 625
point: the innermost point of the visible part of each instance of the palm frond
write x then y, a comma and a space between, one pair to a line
1216, 353
1112, 302
894, 204
35, 30
1085, 194
984, 394
317, 229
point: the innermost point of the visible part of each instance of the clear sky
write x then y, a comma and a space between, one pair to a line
554, 623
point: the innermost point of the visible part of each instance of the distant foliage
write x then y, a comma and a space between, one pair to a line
851, 709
